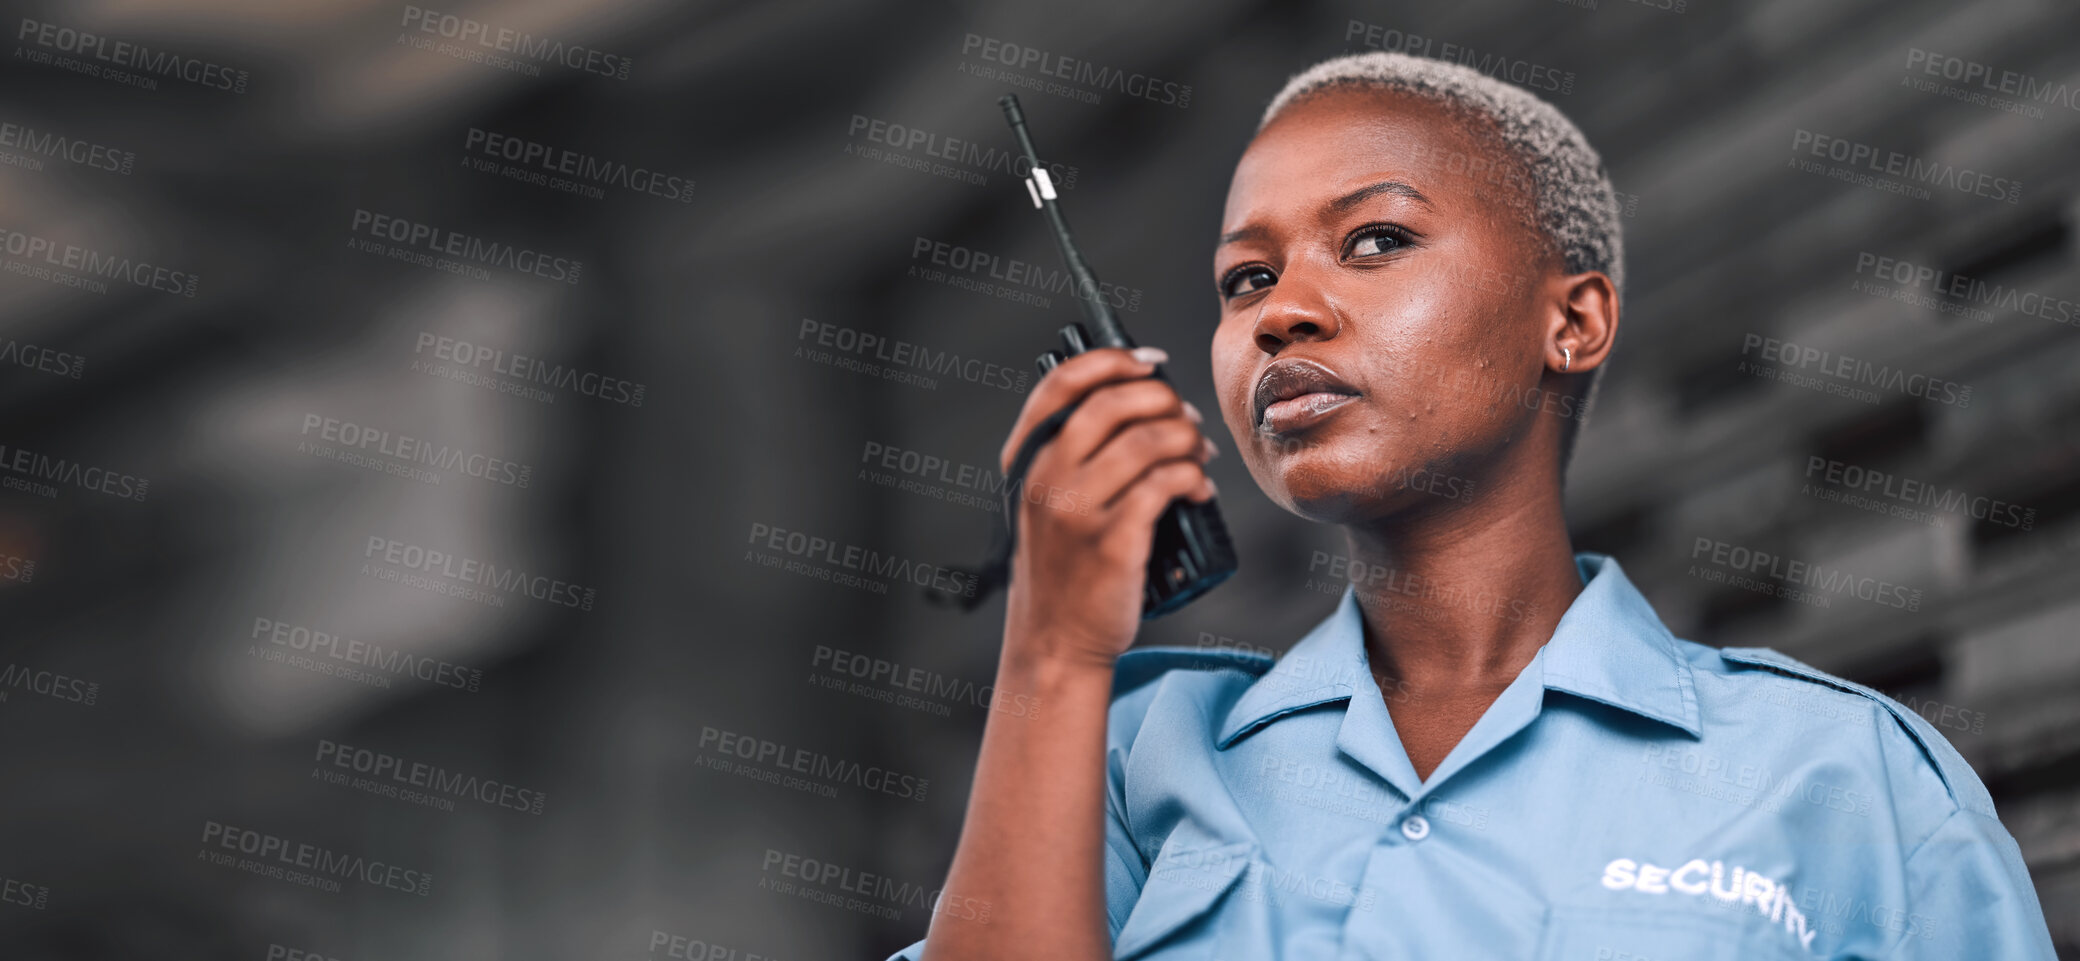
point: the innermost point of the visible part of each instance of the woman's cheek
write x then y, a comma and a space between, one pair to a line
1232, 388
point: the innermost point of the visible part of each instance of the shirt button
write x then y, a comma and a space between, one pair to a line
1415, 828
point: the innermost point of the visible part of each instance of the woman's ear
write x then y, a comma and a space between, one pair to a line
1582, 323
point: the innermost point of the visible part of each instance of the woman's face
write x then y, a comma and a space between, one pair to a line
1356, 239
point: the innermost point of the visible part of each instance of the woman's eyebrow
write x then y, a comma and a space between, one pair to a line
1251, 232
1347, 201
1341, 205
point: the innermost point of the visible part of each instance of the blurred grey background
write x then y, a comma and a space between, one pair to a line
763, 186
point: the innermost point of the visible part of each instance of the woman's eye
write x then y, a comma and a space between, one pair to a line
1243, 280
1373, 241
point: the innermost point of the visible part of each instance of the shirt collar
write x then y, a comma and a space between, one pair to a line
1609, 647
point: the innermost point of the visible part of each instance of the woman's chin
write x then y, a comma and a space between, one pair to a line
1325, 501
1329, 493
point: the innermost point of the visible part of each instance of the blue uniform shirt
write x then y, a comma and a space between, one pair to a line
1629, 797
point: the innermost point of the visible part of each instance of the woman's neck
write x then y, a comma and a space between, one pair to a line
1460, 601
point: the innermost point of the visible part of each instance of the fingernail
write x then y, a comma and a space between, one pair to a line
1213, 450
1150, 355
1215, 488
1193, 413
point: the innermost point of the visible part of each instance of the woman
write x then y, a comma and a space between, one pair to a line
1492, 748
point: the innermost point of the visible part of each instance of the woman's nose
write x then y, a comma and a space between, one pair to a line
1294, 310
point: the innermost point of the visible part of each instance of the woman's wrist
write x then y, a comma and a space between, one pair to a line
1049, 657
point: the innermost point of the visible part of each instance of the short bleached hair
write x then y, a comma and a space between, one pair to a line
1564, 194
1557, 185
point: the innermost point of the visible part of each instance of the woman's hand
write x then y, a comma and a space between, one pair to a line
1090, 501
1031, 858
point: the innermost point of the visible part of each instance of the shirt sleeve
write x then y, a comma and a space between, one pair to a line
1971, 896
1125, 871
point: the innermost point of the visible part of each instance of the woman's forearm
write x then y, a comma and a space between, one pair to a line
1028, 877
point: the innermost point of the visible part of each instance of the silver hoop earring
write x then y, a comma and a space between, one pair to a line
1566, 359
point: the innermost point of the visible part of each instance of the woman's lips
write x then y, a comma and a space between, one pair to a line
1299, 413
1294, 393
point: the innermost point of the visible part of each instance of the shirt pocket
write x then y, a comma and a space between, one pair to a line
1185, 883
1663, 934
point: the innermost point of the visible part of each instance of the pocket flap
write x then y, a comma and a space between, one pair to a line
1667, 932
1184, 882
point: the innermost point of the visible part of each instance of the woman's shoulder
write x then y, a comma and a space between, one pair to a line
1758, 689
1179, 684
1140, 665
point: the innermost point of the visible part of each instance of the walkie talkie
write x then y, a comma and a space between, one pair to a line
1191, 553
